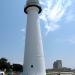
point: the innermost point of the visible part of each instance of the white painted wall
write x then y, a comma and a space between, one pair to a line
33, 45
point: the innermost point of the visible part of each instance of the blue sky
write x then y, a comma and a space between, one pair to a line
57, 27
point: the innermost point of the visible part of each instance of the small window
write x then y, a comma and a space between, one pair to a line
31, 66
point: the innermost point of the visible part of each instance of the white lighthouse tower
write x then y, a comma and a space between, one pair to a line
33, 56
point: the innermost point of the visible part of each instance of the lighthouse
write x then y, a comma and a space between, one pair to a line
33, 56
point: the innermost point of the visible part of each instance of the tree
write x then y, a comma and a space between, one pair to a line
17, 67
4, 64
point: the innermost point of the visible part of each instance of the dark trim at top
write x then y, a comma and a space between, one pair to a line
25, 9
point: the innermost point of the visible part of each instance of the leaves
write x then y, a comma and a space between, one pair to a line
6, 66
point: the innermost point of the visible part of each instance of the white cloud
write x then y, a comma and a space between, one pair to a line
23, 30
42, 3
53, 12
71, 40
51, 27
43, 17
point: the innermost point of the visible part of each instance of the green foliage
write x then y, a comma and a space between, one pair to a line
17, 67
5, 66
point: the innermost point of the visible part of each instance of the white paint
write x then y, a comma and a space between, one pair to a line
33, 45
